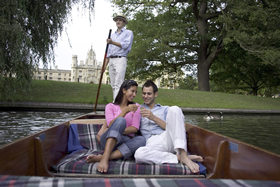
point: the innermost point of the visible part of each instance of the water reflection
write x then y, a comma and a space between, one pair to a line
14, 125
262, 131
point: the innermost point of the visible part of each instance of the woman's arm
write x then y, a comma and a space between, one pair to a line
130, 130
103, 129
134, 123
125, 110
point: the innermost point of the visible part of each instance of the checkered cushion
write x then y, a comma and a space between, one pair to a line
87, 135
75, 163
17, 181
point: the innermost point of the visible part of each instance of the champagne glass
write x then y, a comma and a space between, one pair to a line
143, 118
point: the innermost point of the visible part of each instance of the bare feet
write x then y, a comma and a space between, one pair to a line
184, 159
103, 165
192, 157
196, 158
93, 158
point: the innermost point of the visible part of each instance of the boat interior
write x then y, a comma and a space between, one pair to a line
45, 154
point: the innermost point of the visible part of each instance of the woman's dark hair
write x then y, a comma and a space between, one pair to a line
149, 83
125, 85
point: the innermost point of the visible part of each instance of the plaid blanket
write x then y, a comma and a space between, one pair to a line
87, 136
75, 162
18, 181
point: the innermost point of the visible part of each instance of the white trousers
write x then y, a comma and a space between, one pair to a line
117, 68
161, 148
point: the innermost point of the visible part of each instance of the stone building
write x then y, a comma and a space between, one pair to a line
88, 71
84, 72
53, 74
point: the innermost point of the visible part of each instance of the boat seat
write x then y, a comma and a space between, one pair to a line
82, 142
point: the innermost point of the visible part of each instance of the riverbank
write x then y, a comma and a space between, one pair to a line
81, 107
71, 95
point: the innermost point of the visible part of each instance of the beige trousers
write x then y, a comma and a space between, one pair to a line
117, 68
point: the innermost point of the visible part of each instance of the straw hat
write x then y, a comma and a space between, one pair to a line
121, 17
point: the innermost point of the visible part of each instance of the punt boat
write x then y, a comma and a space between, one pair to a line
46, 154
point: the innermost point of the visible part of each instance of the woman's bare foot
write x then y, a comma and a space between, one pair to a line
196, 158
103, 165
93, 158
184, 159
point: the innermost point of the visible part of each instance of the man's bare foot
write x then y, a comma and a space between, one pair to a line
184, 159
192, 157
196, 158
178, 157
93, 158
103, 165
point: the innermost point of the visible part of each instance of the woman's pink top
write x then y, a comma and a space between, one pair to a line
132, 118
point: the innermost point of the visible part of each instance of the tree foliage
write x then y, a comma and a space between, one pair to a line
156, 51
171, 36
29, 33
254, 25
236, 69
188, 83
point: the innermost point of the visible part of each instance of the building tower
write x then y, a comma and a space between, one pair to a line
74, 77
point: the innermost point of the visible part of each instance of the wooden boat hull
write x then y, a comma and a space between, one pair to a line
228, 158
224, 157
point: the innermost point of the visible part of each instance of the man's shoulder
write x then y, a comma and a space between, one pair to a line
127, 30
161, 106
158, 107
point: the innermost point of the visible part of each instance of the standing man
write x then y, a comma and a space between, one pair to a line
120, 45
164, 129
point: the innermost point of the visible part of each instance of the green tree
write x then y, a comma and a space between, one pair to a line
254, 25
188, 83
29, 33
172, 36
236, 69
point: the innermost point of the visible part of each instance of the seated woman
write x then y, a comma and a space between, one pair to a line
123, 120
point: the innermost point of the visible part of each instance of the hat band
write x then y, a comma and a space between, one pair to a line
121, 17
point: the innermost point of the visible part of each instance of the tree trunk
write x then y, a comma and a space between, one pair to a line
255, 90
203, 77
206, 53
203, 66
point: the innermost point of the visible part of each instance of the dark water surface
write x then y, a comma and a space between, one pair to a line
260, 130
17, 124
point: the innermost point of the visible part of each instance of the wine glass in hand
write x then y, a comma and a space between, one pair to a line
141, 112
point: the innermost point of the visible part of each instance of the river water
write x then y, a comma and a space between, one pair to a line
17, 124
260, 130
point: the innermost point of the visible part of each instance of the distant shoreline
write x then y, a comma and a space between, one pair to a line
80, 107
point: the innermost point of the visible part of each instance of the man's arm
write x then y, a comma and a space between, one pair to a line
110, 41
149, 114
160, 122
125, 42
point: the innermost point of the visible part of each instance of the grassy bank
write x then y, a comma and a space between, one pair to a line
68, 92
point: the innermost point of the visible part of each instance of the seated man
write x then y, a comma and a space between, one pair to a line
164, 129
